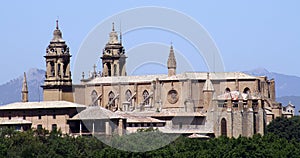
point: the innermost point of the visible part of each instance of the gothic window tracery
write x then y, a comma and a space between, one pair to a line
128, 95
111, 96
94, 97
146, 98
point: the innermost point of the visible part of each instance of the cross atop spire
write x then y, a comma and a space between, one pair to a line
57, 24
113, 36
57, 35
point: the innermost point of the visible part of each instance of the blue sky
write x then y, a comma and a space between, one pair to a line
248, 34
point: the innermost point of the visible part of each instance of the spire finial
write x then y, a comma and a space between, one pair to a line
113, 26
56, 24
94, 67
120, 33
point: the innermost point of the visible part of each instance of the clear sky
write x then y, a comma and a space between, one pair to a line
248, 34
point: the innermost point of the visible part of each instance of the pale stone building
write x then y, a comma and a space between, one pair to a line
224, 103
203, 104
288, 110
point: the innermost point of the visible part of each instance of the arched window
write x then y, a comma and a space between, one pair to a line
227, 90
94, 97
111, 96
115, 70
223, 127
52, 69
145, 96
128, 95
246, 90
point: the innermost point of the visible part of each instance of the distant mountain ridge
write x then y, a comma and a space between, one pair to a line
286, 85
11, 91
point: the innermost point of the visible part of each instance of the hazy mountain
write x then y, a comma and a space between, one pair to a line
295, 100
286, 85
11, 91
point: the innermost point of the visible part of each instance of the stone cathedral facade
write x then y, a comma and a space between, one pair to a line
205, 103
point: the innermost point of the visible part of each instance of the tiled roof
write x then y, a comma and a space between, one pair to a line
41, 105
95, 112
183, 76
142, 119
14, 121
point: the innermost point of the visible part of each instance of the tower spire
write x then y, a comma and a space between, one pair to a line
24, 89
171, 62
57, 35
58, 78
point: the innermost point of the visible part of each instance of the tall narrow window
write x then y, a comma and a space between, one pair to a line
58, 69
65, 68
94, 97
146, 97
111, 96
52, 68
223, 127
128, 95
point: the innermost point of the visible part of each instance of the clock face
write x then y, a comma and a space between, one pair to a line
172, 96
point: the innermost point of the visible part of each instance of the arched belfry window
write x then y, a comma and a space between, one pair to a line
94, 97
223, 127
146, 97
111, 96
128, 95
247, 90
227, 90
52, 69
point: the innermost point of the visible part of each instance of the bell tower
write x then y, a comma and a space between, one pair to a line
58, 82
113, 57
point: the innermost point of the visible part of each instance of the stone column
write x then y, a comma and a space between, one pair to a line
229, 123
120, 127
55, 69
80, 128
62, 70
107, 128
260, 121
93, 130
236, 84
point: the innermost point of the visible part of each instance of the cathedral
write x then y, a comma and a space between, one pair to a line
205, 104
